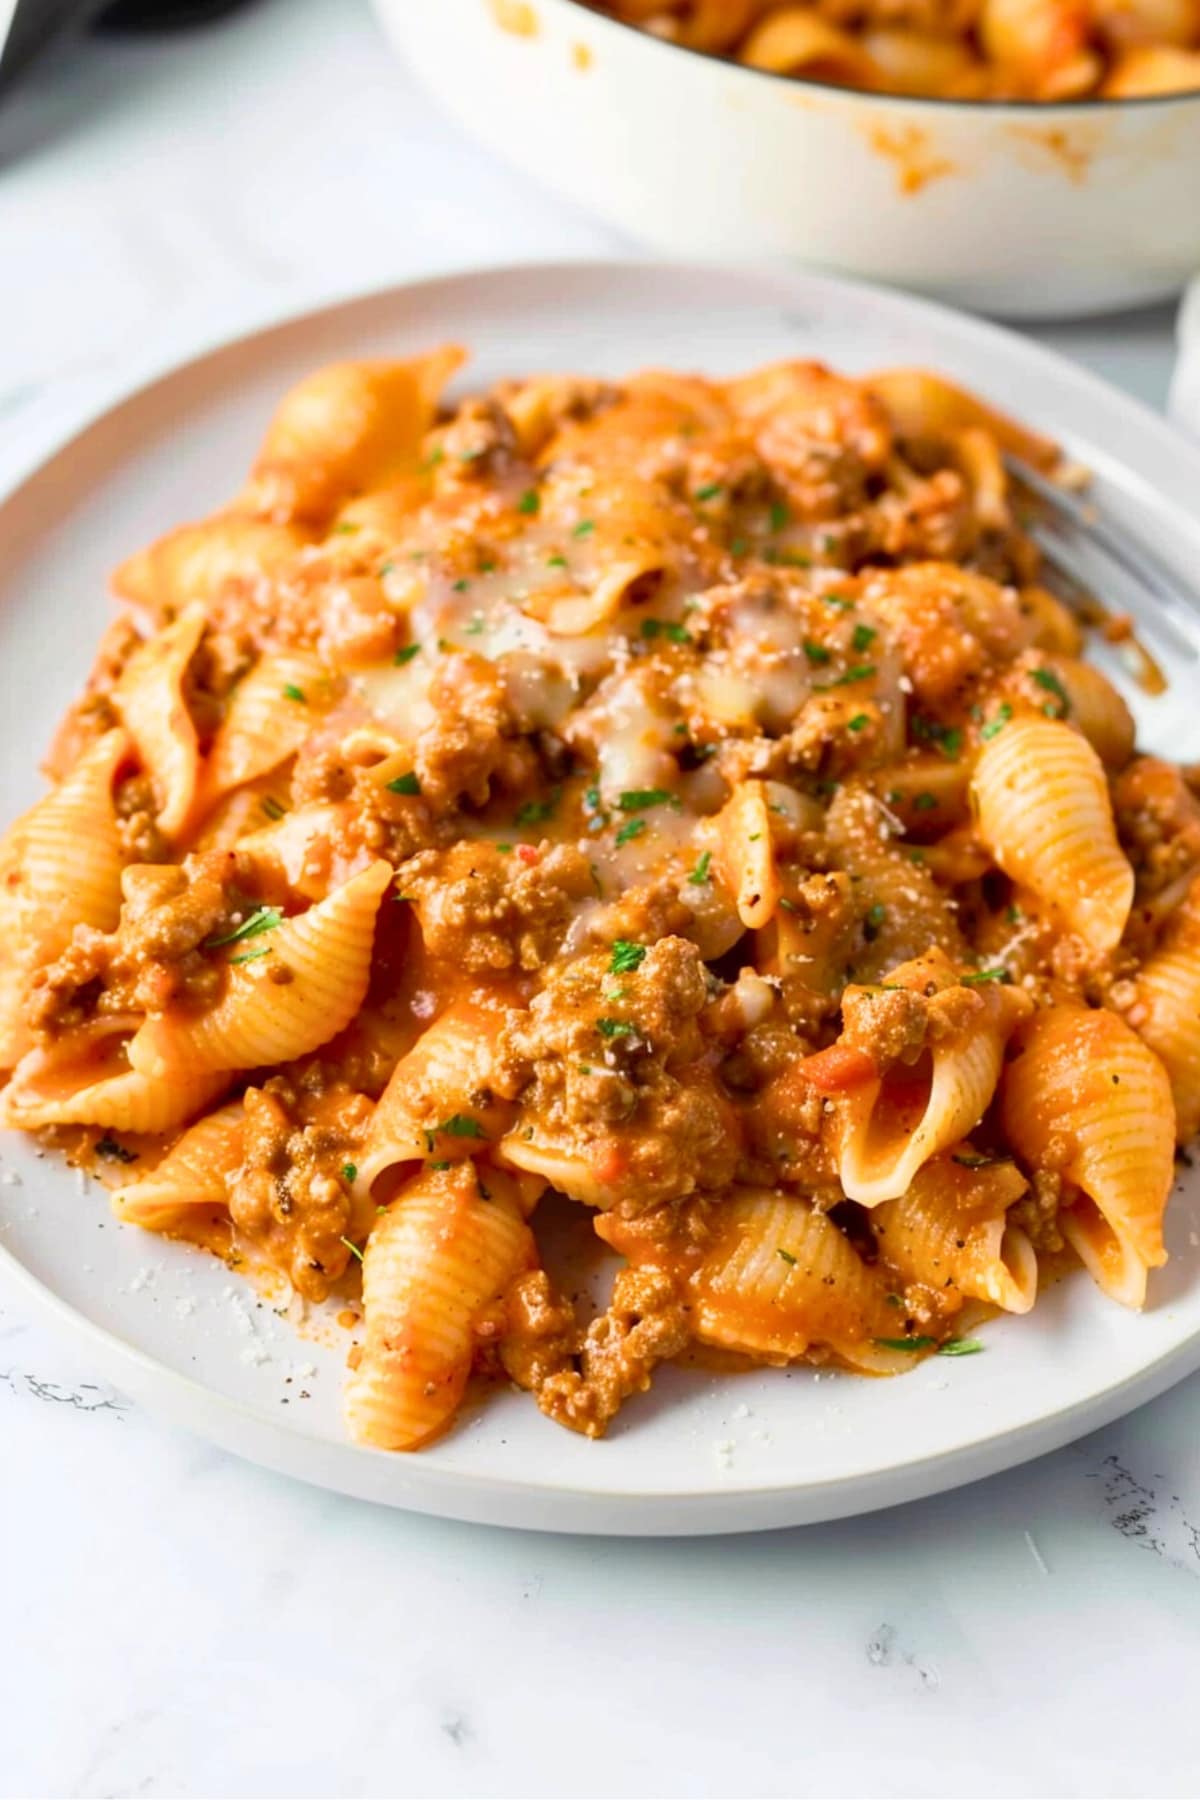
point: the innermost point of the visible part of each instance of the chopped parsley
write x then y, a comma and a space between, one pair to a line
439, 1166
864, 637
785, 1256
292, 692
981, 975
859, 672
346, 525
709, 491
1003, 715
406, 654
631, 829
971, 1159
272, 808
839, 601
699, 874
476, 626
249, 956
615, 1028
960, 1347
530, 501
635, 800
873, 922
405, 784
556, 562
461, 585
816, 653
460, 1125
859, 722
948, 738
924, 802
1046, 678
781, 516
584, 528
436, 455
911, 1344
536, 812
108, 1146
675, 634
350, 1172
626, 956
263, 918
352, 1248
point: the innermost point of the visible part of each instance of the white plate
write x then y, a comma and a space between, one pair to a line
701, 1453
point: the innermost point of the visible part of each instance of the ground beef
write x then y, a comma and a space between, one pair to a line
1158, 821
646, 1323
490, 911
614, 1070
291, 1195
473, 739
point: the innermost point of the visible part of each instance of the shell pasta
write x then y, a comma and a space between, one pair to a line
682, 795
1049, 50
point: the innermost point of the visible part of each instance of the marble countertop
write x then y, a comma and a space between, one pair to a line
178, 1623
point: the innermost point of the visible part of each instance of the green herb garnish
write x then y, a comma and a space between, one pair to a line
911, 1344
536, 812
699, 874
615, 1028
530, 501
352, 1248
634, 800
626, 956
584, 528
404, 784
272, 808
781, 516
981, 975
816, 653
631, 829
1046, 678
263, 918
785, 1256
864, 637
960, 1347
406, 655
1003, 715
709, 491
460, 1125
350, 1172
292, 692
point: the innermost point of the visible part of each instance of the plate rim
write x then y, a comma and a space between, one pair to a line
709, 1505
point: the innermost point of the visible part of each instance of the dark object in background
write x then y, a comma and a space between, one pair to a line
35, 23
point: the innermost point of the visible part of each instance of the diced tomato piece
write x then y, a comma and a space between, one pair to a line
838, 1069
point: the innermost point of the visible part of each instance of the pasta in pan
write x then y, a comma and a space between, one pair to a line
680, 795
1048, 50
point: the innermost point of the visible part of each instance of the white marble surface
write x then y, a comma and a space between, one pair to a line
173, 1622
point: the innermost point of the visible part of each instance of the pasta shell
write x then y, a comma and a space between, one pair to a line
746, 855
150, 699
87, 1080
61, 867
1098, 710
444, 1077
1044, 812
891, 1127
1086, 1096
260, 1021
781, 1278
344, 430
950, 1231
195, 561
1167, 1010
270, 714
192, 1175
447, 1247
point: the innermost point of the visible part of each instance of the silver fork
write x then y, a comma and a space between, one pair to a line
1098, 561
